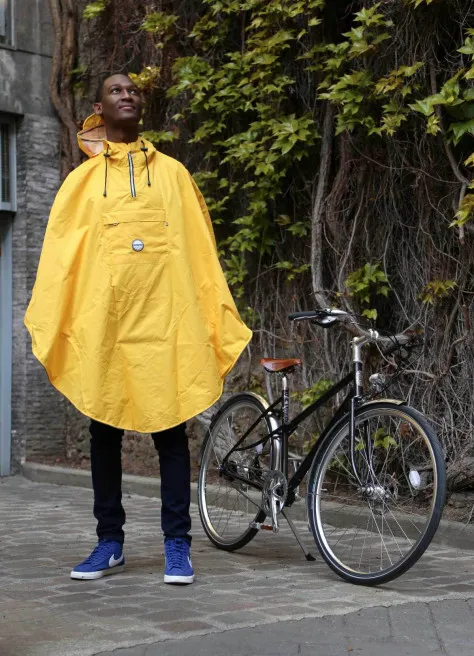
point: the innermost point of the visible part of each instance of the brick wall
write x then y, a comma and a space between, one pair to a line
41, 418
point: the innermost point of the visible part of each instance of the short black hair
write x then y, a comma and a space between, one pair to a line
100, 87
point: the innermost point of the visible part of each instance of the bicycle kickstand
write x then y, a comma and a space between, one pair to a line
297, 535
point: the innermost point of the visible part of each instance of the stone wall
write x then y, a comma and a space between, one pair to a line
38, 413
40, 417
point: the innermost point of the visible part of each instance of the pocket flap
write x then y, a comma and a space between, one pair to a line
115, 218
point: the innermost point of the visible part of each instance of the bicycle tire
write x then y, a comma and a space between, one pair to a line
383, 497
221, 528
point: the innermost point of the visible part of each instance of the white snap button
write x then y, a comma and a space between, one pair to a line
138, 245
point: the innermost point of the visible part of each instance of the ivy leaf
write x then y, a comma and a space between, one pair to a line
283, 219
370, 314
433, 126
465, 212
424, 106
469, 74
458, 130
468, 47
299, 229
163, 136
385, 442
94, 9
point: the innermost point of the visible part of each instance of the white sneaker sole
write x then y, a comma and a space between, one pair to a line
177, 580
91, 576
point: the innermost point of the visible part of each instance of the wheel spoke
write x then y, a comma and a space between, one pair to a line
373, 529
227, 505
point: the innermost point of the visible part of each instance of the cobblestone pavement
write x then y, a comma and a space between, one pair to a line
241, 603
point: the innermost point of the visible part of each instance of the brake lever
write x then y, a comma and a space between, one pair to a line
325, 321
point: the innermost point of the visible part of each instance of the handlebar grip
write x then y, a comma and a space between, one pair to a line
398, 345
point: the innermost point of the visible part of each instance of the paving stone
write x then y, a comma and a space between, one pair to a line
161, 616
355, 624
71, 598
288, 611
268, 583
240, 617
114, 611
127, 591
451, 618
185, 626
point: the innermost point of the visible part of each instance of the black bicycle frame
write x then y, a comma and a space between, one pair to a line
287, 428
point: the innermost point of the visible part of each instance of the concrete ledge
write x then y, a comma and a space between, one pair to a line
450, 534
144, 486
38, 473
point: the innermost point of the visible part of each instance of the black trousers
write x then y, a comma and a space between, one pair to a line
106, 466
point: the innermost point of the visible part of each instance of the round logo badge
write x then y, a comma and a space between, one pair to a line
138, 245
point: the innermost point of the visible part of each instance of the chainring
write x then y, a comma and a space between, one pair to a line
275, 486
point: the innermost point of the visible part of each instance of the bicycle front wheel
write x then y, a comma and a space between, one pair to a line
373, 525
227, 504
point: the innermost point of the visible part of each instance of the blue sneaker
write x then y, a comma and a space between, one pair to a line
106, 558
178, 567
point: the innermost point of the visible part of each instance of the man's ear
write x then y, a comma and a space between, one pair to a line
97, 108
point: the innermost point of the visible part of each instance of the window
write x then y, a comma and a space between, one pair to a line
7, 165
6, 22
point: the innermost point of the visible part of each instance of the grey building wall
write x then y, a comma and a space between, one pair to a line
39, 414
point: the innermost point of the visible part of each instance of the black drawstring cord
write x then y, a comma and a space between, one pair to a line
106, 155
144, 151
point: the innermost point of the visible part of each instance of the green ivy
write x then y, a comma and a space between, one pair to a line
379, 438
366, 282
94, 9
417, 3
308, 396
436, 290
251, 138
235, 96
147, 78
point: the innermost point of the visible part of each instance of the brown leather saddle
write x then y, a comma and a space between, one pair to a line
274, 365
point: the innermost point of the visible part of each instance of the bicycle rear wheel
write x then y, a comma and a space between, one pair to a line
372, 530
228, 505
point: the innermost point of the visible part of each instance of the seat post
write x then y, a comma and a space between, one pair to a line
285, 421
286, 397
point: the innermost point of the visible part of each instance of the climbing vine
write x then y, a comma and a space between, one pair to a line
333, 142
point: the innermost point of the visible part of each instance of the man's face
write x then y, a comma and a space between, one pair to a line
121, 103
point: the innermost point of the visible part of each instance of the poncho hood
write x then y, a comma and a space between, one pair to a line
131, 315
92, 139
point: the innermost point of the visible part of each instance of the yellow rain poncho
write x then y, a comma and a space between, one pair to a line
130, 314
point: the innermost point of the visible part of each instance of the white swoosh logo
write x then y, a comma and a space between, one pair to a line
113, 561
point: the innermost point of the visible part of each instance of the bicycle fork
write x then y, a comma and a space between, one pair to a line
357, 344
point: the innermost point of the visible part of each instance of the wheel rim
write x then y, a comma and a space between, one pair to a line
374, 527
228, 506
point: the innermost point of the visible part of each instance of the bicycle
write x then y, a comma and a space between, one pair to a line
376, 484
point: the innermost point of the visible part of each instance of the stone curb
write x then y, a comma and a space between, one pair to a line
450, 534
144, 486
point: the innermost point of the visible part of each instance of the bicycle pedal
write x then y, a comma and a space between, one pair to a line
264, 527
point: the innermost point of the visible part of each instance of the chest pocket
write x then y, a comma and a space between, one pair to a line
134, 238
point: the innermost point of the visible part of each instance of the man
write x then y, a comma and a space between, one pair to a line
131, 316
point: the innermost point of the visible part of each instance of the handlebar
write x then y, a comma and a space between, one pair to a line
324, 317
328, 316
